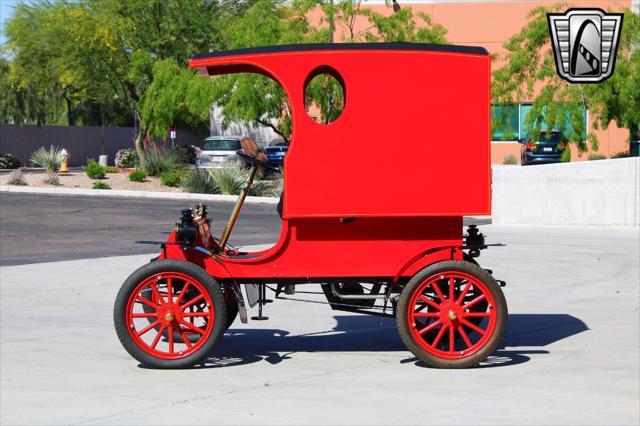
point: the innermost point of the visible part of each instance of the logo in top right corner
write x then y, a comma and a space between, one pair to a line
585, 43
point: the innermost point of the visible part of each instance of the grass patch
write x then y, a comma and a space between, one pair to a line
138, 175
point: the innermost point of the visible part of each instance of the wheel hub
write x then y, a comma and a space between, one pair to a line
452, 315
169, 316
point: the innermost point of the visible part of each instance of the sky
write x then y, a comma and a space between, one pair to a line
5, 10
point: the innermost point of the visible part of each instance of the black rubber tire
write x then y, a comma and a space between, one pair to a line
188, 268
437, 268
232, 306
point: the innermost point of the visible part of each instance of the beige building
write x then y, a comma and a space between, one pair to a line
490, 23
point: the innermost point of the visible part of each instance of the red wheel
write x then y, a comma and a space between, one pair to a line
170, 314
452, 314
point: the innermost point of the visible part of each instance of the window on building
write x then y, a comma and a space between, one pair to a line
508, 122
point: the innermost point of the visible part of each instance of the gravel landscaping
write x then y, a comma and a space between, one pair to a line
81, 180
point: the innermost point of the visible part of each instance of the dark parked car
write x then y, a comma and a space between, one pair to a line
276, 151
548, 148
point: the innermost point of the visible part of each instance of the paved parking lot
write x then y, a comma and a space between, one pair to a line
571, 354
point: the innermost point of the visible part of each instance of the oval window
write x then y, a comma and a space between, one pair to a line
324, 96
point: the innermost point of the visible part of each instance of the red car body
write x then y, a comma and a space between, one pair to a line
349, 219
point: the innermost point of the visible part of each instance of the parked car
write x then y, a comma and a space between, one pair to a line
548, 148
215, 150
276, 151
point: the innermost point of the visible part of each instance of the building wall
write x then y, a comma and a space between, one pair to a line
82, 143
490, 23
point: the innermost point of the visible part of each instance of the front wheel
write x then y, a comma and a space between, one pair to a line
452, 314
185, 302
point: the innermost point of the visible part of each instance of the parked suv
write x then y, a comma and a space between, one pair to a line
276, 151
548, 148
215, 150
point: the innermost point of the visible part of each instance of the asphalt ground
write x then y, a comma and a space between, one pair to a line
571, 353
46, 228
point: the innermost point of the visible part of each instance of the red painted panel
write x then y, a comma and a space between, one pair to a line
413, 140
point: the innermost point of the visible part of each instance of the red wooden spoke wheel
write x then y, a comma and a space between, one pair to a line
170, 314
452, 314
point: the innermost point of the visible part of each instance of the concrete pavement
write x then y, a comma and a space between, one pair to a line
571, 353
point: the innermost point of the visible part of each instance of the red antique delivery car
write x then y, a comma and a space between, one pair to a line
377, 238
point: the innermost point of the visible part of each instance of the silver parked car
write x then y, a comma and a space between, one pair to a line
215, 150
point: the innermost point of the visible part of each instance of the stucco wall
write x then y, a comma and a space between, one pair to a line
605, 192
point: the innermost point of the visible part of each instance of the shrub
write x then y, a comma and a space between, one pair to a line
621, 154
187, 153
8, 161
230, 178
596, 157
566, 155
100, 185
172, 178
161, 160
49, 159
95, 170
16, 177
275, 189
199, 182
110, 169
510, 159
126, 158
138, 175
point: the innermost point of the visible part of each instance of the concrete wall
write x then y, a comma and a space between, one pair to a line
605, 192
81, 142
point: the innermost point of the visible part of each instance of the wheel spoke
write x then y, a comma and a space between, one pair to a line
147, 328
185, 339
430, 302
147, 302
426, 314
466, 339
192, 301
474, 301
182, 293
170, 336
436, 288
192, 327
145, 315
473, 327
477, 314
430, 327
155, 341
196, 314
464, 293
452, 339
156, 293
439, 336
169, 291
452, 290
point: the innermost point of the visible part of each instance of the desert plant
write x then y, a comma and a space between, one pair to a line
510, 159
8, 161
159, 160
100, 185
187, 153
111, 169
95, 170
621, 154
276, 188
596, 157
138, 175
230, 178
16, 177
50, 160
172, 178
126, 158
199, 182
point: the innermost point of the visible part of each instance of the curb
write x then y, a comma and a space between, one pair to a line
122, 193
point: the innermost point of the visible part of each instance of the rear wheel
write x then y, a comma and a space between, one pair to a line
170, 314
452, 314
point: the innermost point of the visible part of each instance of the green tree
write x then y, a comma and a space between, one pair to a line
529, 72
